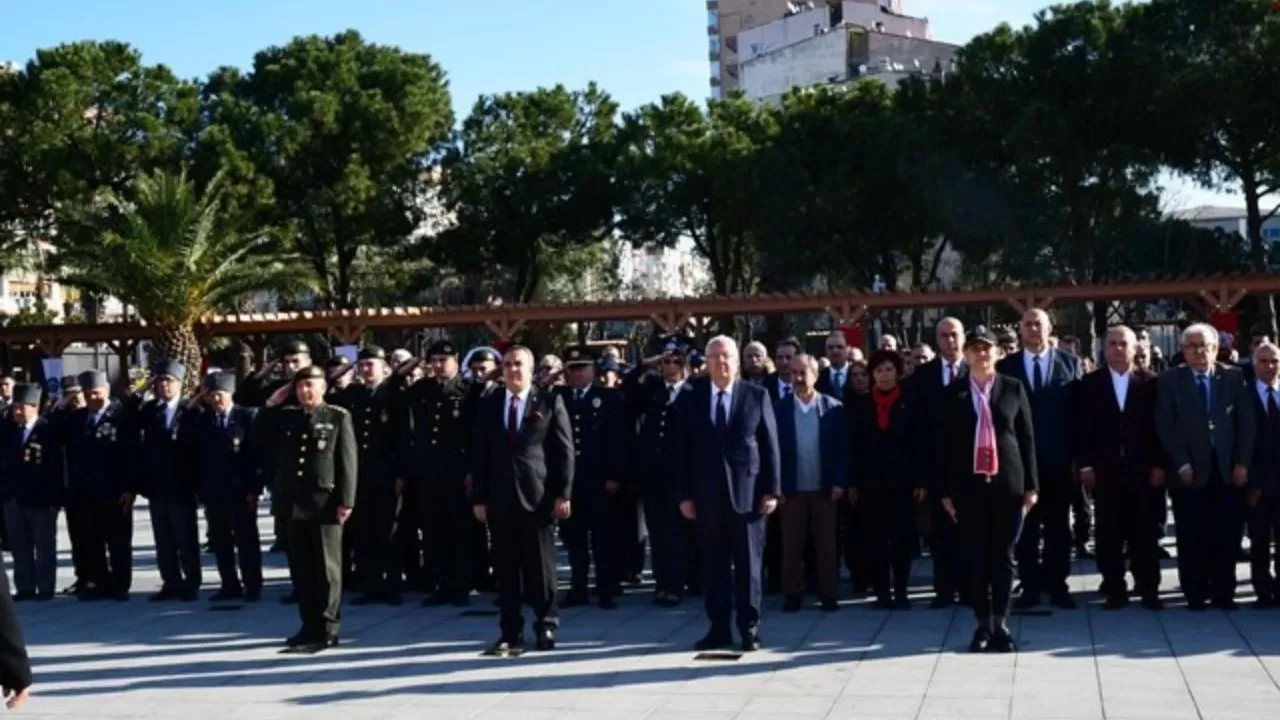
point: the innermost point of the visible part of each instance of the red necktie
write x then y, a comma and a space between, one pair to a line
513, 419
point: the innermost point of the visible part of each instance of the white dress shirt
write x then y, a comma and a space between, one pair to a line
26, 430
1262, 391
784, 388
170, 409
1029, 360
672, 390
715, 401
521, 399
1120, 384
955, 368
804, 406
838, 378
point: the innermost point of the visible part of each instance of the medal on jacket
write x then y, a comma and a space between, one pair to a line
385, 418
595, 403
321, 444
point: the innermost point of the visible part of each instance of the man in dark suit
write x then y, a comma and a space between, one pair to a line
31, 469
1264, 478
833, 379
1205, 421
778, 385
522, 479
927, 384
1121, 464
1050, 377
728, 479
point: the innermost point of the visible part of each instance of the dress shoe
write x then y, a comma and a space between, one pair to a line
546, 640
981, 640
1116, 602
301, 639
1226, 604
227, 593
330, 640
1196, 605
23, 596
1264, 602
506, 644
1028, 601
660, 597
792, 604
901, 603
189, 595
575, 598
714, 641
1152, 602
608, 603
44, 596
253, 594
751, 642
830, 606
1064, 601
1002, 642
461, 601
164, 594
72, 589
941, 603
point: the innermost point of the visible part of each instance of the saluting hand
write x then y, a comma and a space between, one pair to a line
1088, 478
1029, 500
278, 396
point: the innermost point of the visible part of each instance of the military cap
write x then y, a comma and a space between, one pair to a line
70, 384
295, 347
336, 362
26, 394
170, 368
578, 355
608, 364
442, 347
220, 381
484, 354
696, 359
310, 372
400, 356
673, 345
372, 352
980, 335
93, 379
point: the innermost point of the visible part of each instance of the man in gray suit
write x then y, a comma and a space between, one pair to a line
1205, 421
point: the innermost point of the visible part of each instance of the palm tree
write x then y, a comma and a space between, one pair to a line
177, 258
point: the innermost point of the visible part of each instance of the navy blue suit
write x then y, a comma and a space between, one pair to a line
98, 454
592, 532
31, 472
653, 454
165, 479
227, 468
927, 388
1264, 515
726, 472
1051, 410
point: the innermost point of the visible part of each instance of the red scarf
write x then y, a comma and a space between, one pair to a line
884, 403
986, 460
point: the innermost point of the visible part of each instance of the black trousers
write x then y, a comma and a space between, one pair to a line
1082, 511
852, 536
773, 553
377, 555
666, 529
891, 539
1124, 508
524, 556
450, 526
989, 522
1264, 527
732, 547
33, 540
315, 562
946, 547
107, 537
76, 513
410, 536
1046, 570
482, 565
177, 537
1208, 526
233, 533
596, 531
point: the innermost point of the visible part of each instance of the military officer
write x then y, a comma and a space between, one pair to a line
315, 476
378, 426
339, 372
437, 463
484, 379
652, 455
163, 424
225, 463
29, 466
593, 532
273, 386
99, 448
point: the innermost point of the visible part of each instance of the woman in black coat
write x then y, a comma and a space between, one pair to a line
988, 463
884, 479
15, 667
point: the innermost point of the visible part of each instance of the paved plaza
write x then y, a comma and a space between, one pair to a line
186, 662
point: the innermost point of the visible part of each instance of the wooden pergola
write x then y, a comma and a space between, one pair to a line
1214, 294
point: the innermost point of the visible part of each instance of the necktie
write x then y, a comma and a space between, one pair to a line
222, 421
671, 394
26, 432
512, 419
1273, 412
786, 391
839, 380
577, 395
951, 373
1202, 384
722, 413
1037, 380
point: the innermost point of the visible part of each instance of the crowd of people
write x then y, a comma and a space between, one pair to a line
730, 474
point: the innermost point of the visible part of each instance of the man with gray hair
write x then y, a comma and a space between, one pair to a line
1205, 421
727, 478
1263, 494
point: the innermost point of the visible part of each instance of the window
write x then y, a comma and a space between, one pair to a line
713, 20
713, 45
716, 94
715, 70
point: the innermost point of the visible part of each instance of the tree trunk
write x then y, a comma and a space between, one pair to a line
1258, 252
179, 342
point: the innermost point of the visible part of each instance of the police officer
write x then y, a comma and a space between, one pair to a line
593, 531
483, 365
378, 426
437, 463
29, 466
163, 424
100, 492
652, 455
224, 460
315, 477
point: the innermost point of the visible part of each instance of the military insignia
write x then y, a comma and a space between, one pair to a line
321, 444
235, 444
385, 417
457, 412
595, 402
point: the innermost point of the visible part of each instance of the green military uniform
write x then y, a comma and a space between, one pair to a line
315, 474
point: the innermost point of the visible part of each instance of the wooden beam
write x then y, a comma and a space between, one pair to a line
505, 328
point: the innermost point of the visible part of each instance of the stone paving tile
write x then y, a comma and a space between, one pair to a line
148, 661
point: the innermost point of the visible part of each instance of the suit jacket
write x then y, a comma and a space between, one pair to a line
770, 385
225, 461
597, 422
314, 462
1264, 475
1051, 406
1184, 426
161, 473
827, 387
1118, 443
745, 461
885, 460
31, 472
926, 390
98, 454
439, 415
833, 442
533, 473
379, 422
1015, 438
653, 452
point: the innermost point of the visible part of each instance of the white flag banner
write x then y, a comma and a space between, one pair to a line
52, 376
347, 351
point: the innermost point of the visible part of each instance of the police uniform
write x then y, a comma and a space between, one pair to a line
30, 470
225, 461
170, 488
594, 530
437, 462
378, 429
482, 576
99, 446
315, 475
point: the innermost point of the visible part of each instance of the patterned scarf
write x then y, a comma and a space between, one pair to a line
884, 403
986, 460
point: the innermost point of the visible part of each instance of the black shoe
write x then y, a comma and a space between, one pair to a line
507, 644
608, 603
1002, 642
575, 598
44, 596
290, 599
330, 640
941, 603
751, 642
660, 598
1196, 605
883, 603
436, 599
1152, 603
902, 603
1028, 601
72, 589
23, 596
672, 600
461, 601
830, 606
546, 640
1116, 602
225, 594
714, 641
1264, 603
1064, 601
792, 604
1226, 604
302, 639
164, 594
981, 641
189, 595
253, 594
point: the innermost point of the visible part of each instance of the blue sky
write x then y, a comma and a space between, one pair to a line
635, 49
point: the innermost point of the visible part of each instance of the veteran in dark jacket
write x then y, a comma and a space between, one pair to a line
1263, 493
32, 474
